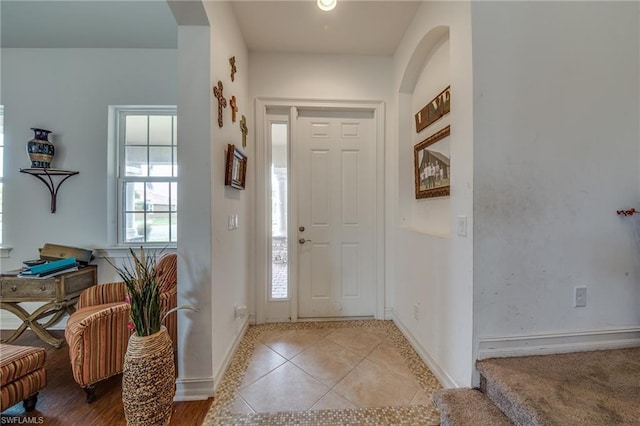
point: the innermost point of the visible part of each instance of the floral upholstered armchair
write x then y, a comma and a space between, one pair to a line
98, 331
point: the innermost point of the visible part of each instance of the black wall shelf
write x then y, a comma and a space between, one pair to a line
46, 176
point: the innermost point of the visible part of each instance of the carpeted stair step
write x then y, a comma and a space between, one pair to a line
580, 388
467, 407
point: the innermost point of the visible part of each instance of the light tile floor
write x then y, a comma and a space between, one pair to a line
325, 373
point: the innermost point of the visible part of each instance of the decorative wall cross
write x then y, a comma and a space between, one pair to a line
234, 108
244, 129
232, 61
222, 102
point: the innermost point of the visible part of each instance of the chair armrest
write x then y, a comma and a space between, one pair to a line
101, 294
93, 333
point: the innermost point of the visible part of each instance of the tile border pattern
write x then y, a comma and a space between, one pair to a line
220, 411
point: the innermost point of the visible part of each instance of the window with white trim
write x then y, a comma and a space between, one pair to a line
147, 175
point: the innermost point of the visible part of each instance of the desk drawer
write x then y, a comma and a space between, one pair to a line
73, 283
29, 289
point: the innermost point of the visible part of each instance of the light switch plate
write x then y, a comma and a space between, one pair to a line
233, 222
461, 226
580, 297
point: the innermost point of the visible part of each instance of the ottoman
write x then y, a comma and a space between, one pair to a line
22, 375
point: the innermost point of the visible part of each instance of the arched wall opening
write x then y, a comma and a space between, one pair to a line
427, 74
430, 265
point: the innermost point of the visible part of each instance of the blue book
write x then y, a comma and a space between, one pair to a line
52, 266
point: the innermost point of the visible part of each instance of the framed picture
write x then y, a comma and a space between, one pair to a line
236, 169
432, 165
438, 107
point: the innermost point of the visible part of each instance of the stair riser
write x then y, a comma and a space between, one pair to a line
467, 406
512, 409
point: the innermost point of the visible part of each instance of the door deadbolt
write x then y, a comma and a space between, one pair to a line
301, 229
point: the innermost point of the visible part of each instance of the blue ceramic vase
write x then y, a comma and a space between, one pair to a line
40, 150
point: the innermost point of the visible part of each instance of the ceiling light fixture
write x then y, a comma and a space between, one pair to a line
327, 5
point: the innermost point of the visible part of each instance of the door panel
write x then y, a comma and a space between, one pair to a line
320, 277
336, 206
320, 187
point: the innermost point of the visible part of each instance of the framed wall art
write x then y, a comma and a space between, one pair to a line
432, 165
439, 106
236, 168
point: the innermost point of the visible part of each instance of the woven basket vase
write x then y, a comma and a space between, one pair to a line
148, 380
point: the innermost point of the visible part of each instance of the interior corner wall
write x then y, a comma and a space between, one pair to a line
556, 154
232, 256
195, 271
432, 271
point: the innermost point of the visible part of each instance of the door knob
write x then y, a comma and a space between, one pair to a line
302, 241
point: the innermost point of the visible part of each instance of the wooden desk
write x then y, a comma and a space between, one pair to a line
60, 294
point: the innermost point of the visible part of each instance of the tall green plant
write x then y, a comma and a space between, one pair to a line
141, 279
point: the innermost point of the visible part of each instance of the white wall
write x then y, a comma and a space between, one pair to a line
217, 261
429, 215
68, 91
556, 154
195, 330
319, 77
232, 274
429, 269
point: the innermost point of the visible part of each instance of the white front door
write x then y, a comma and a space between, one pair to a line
335, 163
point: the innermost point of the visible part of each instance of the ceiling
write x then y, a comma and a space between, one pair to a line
354, 27
87, 23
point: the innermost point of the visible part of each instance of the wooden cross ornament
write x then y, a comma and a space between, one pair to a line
244, 129
222, 102
234, 108
232, 61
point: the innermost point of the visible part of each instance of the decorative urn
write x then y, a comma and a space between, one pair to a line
40, 149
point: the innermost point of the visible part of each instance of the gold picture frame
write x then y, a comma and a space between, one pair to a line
432, 165
434, 110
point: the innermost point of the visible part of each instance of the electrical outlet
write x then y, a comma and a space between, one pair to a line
580, 297
240, 311
416, 312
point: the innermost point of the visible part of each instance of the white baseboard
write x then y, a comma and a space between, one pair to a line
445, 380
554, 343
218, 375
197, 389
388, 314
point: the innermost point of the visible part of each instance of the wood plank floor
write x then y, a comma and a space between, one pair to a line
62, 401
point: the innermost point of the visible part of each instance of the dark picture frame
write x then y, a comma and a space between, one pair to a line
434, 110
432, 165
236, 168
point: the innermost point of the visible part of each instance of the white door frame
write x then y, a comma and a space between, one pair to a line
263, 205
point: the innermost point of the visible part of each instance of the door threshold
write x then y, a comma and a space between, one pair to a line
370, 317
